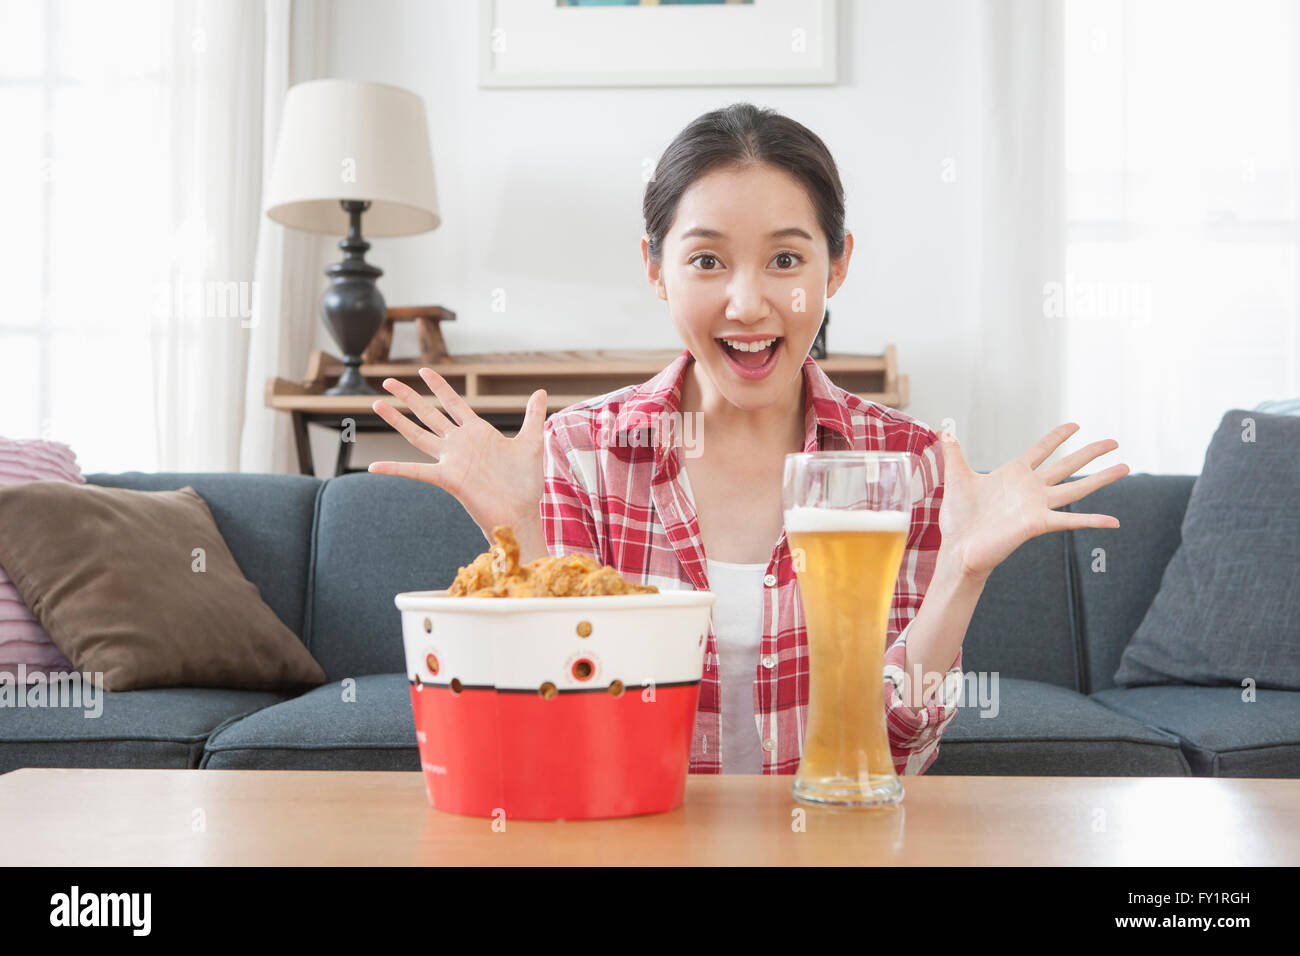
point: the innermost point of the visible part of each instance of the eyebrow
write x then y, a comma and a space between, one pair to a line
704, 233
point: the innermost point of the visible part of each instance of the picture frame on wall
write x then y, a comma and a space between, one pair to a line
599, 43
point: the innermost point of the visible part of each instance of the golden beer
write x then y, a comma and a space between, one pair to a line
847, 561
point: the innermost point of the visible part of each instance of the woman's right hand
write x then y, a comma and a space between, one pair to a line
498, 480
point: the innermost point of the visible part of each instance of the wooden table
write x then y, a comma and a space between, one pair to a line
497, 386
146, 817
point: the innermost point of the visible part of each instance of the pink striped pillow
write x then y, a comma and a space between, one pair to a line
22, 640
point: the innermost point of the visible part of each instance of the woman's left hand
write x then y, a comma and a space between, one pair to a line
984, 518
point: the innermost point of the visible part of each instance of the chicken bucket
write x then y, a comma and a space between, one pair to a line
544, 708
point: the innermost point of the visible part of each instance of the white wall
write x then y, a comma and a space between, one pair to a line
541, 193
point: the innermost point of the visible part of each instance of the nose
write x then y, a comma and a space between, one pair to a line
746, 301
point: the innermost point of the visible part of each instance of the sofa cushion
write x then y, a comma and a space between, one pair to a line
1023, 626
1117, 571
265, 520
140, 587
24, 644
163, 727
1222, 734
366, 724
378, 535
1228, 608
1039, 729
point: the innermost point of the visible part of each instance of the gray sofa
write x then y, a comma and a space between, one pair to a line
328, 556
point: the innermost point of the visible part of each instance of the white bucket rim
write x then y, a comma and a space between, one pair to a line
440, 601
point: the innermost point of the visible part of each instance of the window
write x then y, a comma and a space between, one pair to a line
1181, 294
84, 108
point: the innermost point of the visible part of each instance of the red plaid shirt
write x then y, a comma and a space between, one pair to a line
616, 490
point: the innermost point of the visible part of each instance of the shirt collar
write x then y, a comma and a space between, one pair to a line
661, 396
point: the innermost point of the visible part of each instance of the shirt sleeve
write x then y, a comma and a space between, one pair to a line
568, 518
914, 736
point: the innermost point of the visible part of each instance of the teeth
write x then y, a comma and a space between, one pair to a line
749, 346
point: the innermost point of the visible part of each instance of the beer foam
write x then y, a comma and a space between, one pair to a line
802, 518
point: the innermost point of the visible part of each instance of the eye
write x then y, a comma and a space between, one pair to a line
702, 256
788, 255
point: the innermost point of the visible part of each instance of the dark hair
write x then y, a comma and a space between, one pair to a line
742, 135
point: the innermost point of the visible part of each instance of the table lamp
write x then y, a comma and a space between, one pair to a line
346, 148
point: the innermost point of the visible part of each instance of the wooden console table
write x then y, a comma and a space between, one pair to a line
497, 385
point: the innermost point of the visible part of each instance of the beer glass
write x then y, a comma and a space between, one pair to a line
847, 515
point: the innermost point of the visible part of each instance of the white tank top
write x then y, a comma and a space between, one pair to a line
738, 629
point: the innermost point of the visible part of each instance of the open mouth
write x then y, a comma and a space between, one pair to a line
751, 364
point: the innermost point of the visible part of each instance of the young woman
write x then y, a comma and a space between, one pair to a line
745, 240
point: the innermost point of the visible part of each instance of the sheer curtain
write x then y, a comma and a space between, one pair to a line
289, 276
228, 88
212, 78
83, 105
1016, 126
1181, 294
137, 326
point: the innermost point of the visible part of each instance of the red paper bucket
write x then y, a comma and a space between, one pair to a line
555, 708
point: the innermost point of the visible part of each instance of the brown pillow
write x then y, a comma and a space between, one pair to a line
111, 574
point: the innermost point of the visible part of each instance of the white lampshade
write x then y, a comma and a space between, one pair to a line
346, 139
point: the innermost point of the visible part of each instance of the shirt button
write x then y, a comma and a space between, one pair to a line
769, 744
769, 661
770, 580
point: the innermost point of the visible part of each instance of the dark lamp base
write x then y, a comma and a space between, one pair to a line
351, 382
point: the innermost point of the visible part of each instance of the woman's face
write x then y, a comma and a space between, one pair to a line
746, 261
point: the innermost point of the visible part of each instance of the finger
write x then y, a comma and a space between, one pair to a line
1037, 452
534, 414
449, 397
1068, 520
419, 471
1066, 492
425, 441
951, 451
424, 408
1060, 470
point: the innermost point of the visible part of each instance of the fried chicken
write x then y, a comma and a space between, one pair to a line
497, 573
